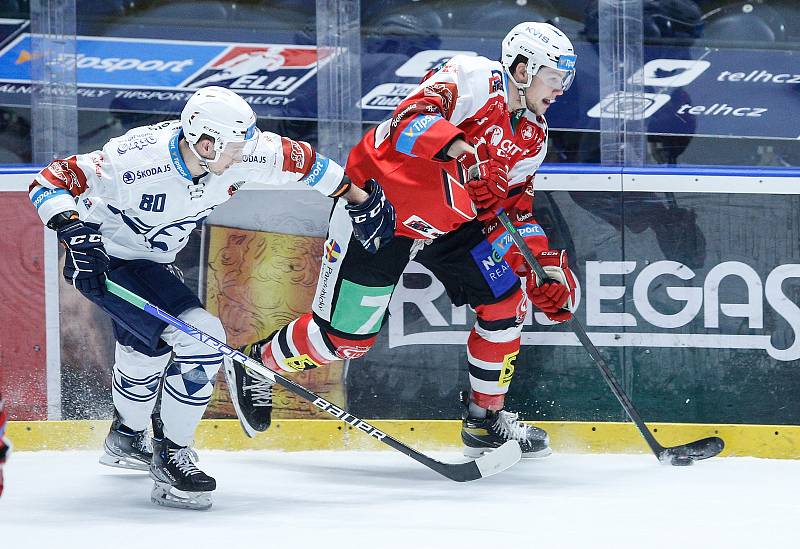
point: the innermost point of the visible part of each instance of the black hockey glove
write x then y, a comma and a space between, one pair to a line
374, 219
86, 260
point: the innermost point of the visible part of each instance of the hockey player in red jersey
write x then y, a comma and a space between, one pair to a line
465, 143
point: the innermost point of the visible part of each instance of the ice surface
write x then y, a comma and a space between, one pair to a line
66, 500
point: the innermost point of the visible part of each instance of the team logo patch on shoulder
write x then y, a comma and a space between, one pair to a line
298, 157
67, 175
447, 91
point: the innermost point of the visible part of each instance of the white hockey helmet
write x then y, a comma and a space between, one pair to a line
543, 45
223, 115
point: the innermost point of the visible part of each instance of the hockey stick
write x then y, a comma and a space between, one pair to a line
494, 462
684, 454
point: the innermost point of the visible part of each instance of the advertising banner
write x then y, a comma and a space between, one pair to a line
152, 75
691, 297
687, 91
257, 282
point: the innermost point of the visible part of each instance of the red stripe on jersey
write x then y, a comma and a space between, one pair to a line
489, 351
66, 174
74, 170
298, 156
302, 342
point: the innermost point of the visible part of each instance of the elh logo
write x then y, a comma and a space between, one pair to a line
628, 105
274, 69
670, 73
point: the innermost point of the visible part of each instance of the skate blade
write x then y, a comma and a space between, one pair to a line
123, 463
475, 453
169, 496
543, 453
230, 379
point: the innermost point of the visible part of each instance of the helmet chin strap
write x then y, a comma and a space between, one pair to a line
203, 161
523, 105
196, 190
520, 87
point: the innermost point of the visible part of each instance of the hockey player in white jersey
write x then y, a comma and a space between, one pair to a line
125, 212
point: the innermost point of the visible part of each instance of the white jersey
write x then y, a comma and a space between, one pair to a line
139, 190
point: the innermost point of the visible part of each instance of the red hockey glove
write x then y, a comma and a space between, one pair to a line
555, 297
488, 184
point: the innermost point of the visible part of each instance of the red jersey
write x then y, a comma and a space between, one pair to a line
466, 98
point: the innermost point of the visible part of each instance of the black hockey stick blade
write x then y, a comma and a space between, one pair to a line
489, 464
700, 449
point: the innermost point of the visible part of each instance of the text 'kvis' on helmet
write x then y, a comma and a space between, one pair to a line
543, 45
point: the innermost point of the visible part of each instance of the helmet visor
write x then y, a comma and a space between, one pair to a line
237, 149
556, 79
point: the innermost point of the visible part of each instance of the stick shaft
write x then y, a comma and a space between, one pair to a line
577, 328
460, 472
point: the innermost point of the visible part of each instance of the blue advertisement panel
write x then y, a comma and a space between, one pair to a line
688, 91
152, 75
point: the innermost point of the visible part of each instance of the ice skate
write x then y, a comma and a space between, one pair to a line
481, 435
251, 395
178, 481
125, 448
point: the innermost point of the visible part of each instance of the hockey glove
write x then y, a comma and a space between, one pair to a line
86, 259
488, 182
373, 219
555, 296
